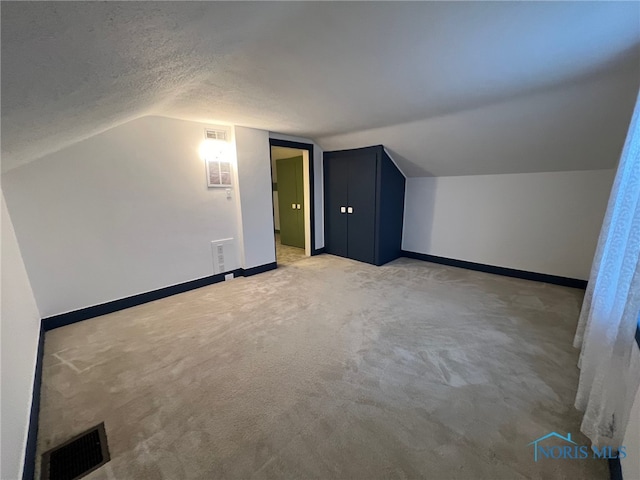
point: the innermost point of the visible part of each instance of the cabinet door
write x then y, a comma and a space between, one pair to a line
336, 173
362, 201
289, 184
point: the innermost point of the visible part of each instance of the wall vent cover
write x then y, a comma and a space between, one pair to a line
220, 253
224, 256
76, 457
211, 134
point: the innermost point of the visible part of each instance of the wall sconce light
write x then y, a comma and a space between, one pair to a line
217, 158
213, 149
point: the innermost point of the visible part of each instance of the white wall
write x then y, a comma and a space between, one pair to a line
254, 176
19, 332
540, 222
121, 213
318, 184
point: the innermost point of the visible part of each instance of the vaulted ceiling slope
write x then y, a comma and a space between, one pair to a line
437, 80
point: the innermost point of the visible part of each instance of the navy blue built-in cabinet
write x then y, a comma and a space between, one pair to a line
363, 205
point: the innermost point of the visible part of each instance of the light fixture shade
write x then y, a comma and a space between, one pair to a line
214, 150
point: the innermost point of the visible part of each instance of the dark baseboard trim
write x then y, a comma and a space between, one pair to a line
507, 272
247, 272
28, 470
615, 469
64, 319
319, 251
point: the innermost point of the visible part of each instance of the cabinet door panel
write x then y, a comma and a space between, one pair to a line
336, 183
289, 183
362, 199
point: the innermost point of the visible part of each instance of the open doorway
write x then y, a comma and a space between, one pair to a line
291, 174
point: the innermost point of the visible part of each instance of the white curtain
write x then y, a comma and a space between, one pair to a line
609, 361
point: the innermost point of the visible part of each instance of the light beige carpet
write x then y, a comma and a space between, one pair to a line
326, 368
286, 254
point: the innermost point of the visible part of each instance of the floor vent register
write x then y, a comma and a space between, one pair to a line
76, 457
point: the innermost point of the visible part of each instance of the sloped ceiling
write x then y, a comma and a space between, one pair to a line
451, 88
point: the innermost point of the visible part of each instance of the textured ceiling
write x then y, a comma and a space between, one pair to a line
323, 69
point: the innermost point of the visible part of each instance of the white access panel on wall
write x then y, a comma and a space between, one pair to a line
224, 255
